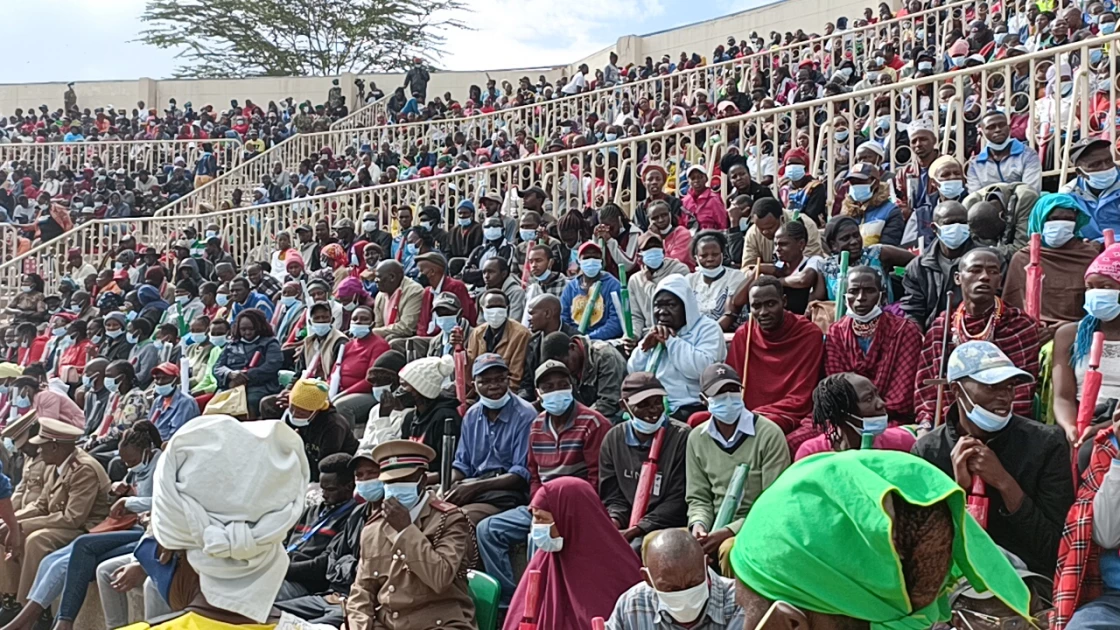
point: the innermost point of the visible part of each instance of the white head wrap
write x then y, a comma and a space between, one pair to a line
227, 492
920, 124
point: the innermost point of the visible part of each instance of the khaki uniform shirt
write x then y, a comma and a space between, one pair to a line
76, 499
31, 483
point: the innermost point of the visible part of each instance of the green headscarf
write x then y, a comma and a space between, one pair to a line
1049, 202
820, 539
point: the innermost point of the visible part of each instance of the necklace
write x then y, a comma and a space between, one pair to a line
866, 329
960, 331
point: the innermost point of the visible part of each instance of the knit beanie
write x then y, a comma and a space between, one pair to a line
391, 360
426, 375
310, 394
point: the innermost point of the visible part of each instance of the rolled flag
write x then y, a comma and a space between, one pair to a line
842, 286
977, 504
624, 304
447, 456
592, 298
461, 376
532, 601
734, 496
646, 479
1109, 238
1034, 279
525, 271
866, 441
336, 373
185, 374
598, 624
1090, 385
654, 360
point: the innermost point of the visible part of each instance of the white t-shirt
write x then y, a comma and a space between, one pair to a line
575, 85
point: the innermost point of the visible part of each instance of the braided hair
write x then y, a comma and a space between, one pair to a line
142, 435
834, 400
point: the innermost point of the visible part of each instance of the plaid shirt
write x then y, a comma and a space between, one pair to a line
1016, 335
639, 609
269, 287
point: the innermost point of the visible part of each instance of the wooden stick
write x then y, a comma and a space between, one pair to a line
750, 323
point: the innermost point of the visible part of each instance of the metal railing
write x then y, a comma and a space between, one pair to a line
365, 116
131, 155
611, 172
542, 120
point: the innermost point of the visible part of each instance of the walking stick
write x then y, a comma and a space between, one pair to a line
750, 325
842, 285
525, 270
461, 376
447, 456
646, 479
532, 601
1034, 279
940, 381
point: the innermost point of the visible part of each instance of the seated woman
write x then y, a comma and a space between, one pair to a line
76, 351
313, 357
115, 345
843, 234
323, 430
29, 305
799, 274
354, 392
714, 283
187, 306
351, 295
144, 355
676, 238
251, 358
289, 312
845, 408
574, 537
68, 571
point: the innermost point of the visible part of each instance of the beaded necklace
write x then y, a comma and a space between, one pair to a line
960, 332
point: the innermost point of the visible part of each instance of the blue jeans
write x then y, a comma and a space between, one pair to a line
50, 577
496, 534
86, 553
1103, 613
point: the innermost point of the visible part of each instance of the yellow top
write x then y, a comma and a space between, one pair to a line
195, 621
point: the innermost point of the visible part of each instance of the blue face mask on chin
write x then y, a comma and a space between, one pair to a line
983, 419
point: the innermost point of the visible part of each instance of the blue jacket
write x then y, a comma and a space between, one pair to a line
609, 325
1103, 210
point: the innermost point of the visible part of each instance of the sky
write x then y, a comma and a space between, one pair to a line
91, 40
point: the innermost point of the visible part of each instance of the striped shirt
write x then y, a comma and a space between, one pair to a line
572, 450
639, 609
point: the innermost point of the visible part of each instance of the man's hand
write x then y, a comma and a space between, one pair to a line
128, 577
455, 336
237, 379
652, 338
395, 514
630, 533
462, 493
962, 452
699, 532
13, 542
713, 540
986, 464
119, 489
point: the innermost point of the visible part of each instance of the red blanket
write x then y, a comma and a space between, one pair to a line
890, 362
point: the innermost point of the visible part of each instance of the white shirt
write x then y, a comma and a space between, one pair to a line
744, 426
575, 85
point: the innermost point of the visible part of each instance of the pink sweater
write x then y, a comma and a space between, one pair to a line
708, 209
893, 439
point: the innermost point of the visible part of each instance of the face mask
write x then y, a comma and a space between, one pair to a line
96, 339
165, 390
427, 225
685, 606
590, 266
999, 146
321, 330
611, 137
653, 258
795, 172
351, 306
527, 235
23, 402
495, 317
412, 249
1100, 180
446, 322
958, 61
677, 119
543, 540
863, 319
873, 76
58, 332
87, 382
372, 490
369, 226
130, 338
196, 337
406, 493
494, 403
556, 402
984, 419
884, 122
951, 188
359, 331
131, 315
116, 267
1108, 28
846, 73
379, 391
1104, 304
925, 65
75, 309
222, 299
113, 334
492, 233
1067, 88
289, 301
860, 192
842, 136
953, 235
111, 384
726, 408
210, 234
1104, 85
1095, 56
3, 389
465, 222
713, 273
1057, 233
219, 340
647, 428
744, 224
873, 425
13, 344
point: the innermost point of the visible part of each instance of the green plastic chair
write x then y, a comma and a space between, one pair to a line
485, 592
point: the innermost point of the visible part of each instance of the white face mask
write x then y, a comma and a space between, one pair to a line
495, 317
863, 319
685, 606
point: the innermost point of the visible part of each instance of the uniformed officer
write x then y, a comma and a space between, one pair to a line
29, 484
412, 574
75, 497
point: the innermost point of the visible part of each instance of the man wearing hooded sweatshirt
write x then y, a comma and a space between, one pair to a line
679, 345
655, 268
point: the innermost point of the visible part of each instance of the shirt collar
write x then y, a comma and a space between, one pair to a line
414, 513
744, 426
1016, 148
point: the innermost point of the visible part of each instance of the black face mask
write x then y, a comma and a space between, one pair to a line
405, 398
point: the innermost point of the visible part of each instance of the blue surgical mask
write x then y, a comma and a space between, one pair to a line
165, 390
130, 338
1067, 88
87, 382
1058, 233
860, 192
96, 339
1100, 180
196, 337
795, 172
411, 249
527, 235
3, 389
727, 408
543, 540
653, 258
544, 276
111, 384
113, 334
223, 299
289, 300
491, 233
1104, 85
556, 402
131, 315
884, 122
182, 300
1104, 304
714, 272
219, 340
406, 493
21, 401
321, 330
647, 428
379, 391
984, 419
1108, 28
951, 188
611, 137
1095, 56
372, 490
872, 425
925, 65
447, 322
494, 403
465, 222
999, 146
58, 332
591, 267
842, 135
958, 61
359, 331
953, 234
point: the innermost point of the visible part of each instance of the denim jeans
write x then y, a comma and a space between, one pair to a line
50, 577
86, 553
1103, 613
496, 534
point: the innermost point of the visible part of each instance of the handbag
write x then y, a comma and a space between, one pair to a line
116, 524
231, 402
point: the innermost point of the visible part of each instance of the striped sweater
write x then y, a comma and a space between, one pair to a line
570, 450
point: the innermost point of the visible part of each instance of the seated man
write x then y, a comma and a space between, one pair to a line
734, 436
447, 313
171, 408
96, 395
878, 345
75, 497
603, 321
678, 585
34, 473
433, 267
490, 473
242, 296
680, 345
30, 394
1023, 465
396, 308
655, 268
766, 217
785, 354
320, 522
981, 316
497, 332
414, 553
597, 366
496, 276
331, 574
885, 531
542, 318
627, 447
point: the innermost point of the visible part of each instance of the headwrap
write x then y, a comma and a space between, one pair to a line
311, 394
149, 297
793, 153
350, 287
292, 256
359, 253
231, 508
334, 253
936, 165
832, 550
1047, 203
1107, 263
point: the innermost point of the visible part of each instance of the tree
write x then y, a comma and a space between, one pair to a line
236, 38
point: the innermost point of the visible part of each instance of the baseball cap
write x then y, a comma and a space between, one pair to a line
550, 366
487, 361
715, 376
1084, 145
532, 190
862, 171
435, 258
639, 386
984, 362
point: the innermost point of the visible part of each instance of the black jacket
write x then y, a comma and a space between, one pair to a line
334, 571
1037, 457
926, 285
428, 427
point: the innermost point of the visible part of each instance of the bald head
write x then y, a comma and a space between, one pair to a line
389, 274
544, 313
675, 561
984, 220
